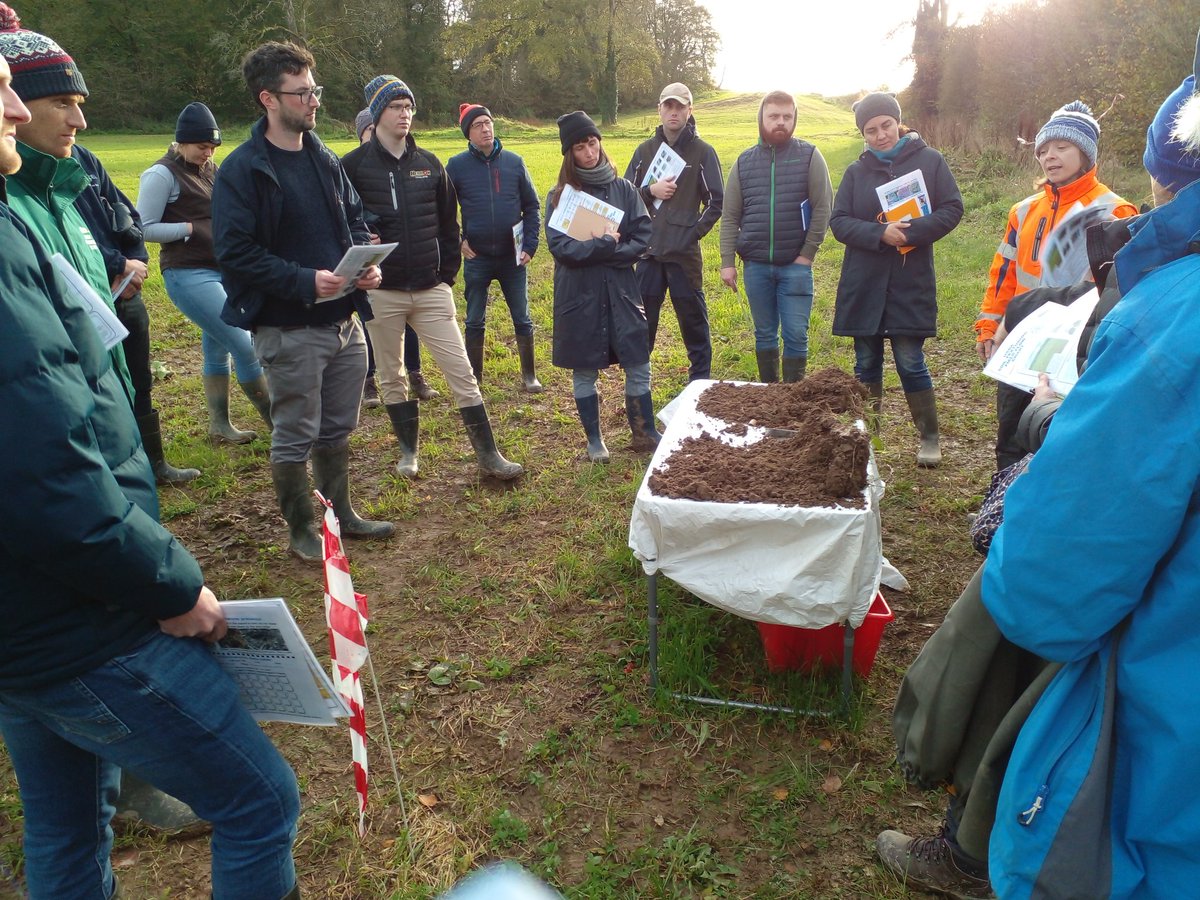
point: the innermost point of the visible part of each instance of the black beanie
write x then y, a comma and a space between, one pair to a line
196, 125
875, 104
575, 127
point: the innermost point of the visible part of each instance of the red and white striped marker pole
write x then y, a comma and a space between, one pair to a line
346, 615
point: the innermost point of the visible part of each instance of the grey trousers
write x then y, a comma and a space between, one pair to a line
316, 374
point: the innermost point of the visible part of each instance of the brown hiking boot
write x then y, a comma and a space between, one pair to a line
929, 864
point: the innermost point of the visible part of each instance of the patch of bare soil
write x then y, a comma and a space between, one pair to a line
823, 463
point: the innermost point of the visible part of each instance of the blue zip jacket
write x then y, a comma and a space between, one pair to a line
495, 192
1104, 529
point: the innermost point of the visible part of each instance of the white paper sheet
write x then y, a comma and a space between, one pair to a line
354, 262
108, 326
1046, 340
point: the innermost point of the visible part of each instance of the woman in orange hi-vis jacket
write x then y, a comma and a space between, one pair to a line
1065, 148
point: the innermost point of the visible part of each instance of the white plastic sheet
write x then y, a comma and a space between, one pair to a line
787, 565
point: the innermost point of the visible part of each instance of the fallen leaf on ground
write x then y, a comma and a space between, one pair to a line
780, 793
832, 784
429, 801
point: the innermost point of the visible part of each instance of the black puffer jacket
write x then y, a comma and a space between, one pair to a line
414, 204
882, 291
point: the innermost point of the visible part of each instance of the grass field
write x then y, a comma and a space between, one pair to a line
509, 631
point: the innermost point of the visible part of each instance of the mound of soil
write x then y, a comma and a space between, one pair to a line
823, 464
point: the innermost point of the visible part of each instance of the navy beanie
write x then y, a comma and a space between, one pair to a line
575, 127
382, 90
197, 125
468, 113
1075, 123
1168, 158
40, 68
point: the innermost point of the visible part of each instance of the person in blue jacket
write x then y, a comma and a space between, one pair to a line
1097, 566
103, 660
495, 194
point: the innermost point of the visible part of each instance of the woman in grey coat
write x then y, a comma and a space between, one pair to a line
598, 314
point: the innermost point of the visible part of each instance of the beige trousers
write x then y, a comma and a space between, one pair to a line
432, 315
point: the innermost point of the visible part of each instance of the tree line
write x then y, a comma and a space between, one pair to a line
143, 62
985, 85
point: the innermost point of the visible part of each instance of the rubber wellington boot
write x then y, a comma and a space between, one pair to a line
768, 365
164, 472
874, 406
406, 423
924, 415
640, 411
793, 368
589, 415
479, 430
421, 388
331, 472
529, 380
296, 504
473, 341
259, 394
216, 395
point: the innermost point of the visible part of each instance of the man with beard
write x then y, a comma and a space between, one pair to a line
284, 213
777, 205
104, 663
674, 262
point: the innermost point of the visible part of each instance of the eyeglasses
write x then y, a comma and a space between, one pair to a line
406, 108
307, 95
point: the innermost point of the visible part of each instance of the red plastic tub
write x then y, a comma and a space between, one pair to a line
790, 649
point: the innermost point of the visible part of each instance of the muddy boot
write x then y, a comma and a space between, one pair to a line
473, 342
640, 411
874, 407
589, 415
420, 387
296, 504
216, 395
406, 423
768, 365
164, 472
924, 415
793, 368
145, 805
529, 381
294, 893
933, 864
259, 394
331, 472
370, 397
479, 430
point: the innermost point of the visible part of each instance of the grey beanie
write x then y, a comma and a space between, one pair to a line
363, 121
875, 104
1075, 123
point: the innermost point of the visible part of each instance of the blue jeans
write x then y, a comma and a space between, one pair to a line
637, 381
780, 296
478, 275
908, 352
168, 713
199, 295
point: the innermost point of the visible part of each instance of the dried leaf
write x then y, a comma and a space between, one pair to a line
125, 859
429, 801
780, 794
660, 821
832, 784
825, 745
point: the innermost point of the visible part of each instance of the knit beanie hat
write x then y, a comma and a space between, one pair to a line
1075, 123
468, 113
1172, 154
40, 68
575, 127
875, 104
197, 125
362, 122
382, 90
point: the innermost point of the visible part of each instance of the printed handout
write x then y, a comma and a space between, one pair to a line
1045, 341
108, 326
578, 214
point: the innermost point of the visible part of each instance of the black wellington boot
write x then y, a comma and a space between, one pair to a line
640, 411
479, 430
406, 423
331, 472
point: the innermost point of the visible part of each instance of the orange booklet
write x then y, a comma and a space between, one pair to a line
909, 209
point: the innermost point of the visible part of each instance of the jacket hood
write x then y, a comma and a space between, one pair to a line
1160, 236
686, 134
762, 134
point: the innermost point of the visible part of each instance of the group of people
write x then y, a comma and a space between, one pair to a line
107, 670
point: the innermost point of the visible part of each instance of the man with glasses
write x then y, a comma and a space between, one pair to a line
284, 213
414, 204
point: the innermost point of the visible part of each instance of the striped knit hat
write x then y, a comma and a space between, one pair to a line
382, 90
40, 68
1075, 123
468, 113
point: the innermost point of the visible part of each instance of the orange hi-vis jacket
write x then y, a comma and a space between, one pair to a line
1017, 266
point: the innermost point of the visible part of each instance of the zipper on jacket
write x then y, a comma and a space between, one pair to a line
1037, 239
392, 179
771, 226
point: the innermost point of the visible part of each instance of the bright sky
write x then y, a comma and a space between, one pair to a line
830, 47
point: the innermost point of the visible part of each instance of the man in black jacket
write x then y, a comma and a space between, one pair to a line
283, 216
684, 208
414, 204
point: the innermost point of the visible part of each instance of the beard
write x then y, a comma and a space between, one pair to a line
775, 136
297, 123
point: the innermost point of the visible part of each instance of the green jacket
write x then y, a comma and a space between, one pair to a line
42, 193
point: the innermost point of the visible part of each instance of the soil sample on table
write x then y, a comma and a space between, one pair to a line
823, 464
